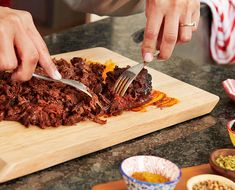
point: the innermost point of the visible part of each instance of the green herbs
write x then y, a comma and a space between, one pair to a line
226, 162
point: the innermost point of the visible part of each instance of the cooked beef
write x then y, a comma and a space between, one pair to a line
137, 94
42, 103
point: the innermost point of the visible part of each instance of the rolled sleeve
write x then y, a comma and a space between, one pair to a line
108, 7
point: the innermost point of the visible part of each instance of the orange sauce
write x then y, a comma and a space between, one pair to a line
158, 99
109, 66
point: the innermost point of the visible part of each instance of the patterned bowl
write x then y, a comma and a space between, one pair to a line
231, 133
151, 164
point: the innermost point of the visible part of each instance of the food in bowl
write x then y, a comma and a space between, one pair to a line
211, 185
153, 165
51, 104
149, 177
222, 162
210, 182
226, 162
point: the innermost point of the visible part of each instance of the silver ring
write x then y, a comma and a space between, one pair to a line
193, 24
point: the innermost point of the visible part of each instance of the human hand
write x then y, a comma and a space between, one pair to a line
163, 26
22, 47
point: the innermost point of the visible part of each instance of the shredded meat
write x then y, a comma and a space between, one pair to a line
51, 104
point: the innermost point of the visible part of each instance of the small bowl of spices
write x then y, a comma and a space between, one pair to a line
149, 173
210, 182
222, 161
231, 130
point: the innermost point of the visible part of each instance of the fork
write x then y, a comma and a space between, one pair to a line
126, 78
78, 85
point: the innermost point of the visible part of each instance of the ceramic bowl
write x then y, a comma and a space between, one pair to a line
151, 164
199, 178
216, 168
231, 133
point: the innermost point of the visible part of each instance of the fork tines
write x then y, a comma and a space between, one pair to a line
126, 78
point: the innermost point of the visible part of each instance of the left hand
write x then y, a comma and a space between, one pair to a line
163, 27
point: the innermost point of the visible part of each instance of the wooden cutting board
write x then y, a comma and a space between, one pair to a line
26, 150
181, 185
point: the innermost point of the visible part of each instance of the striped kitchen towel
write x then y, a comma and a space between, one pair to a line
229, 87
222, 42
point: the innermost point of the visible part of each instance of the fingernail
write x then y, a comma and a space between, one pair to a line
148, 57
57, 75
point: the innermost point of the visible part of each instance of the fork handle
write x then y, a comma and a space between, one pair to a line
44, 77
156, 53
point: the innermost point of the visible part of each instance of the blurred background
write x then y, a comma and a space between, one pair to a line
53, 15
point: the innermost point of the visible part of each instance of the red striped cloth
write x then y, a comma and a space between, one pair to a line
222, 42
229, 87
5, 3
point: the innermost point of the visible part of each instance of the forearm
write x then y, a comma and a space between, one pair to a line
108, 7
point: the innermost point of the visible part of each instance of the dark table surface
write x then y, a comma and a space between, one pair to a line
186, 144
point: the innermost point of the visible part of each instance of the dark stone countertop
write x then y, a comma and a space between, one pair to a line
186, 144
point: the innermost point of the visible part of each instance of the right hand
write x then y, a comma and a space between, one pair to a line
22, 47
163, 29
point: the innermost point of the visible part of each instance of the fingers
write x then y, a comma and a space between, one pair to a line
185, 32
192, 15
21, 46
166, 16
8, 60
27, 55
170, 34
196, 18
44, 57
159, 39
153, 24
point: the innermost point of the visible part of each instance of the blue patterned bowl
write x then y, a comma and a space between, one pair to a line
151, 164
